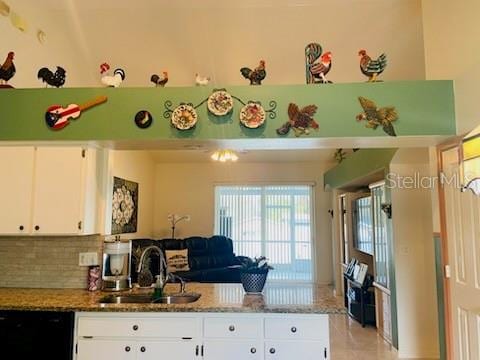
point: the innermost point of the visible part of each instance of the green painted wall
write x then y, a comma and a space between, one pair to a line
357, 165
425, 108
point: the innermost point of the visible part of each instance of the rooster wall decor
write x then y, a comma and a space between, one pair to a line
257, 75
56, 79
300, 120
317, 65
375, 117
160, 80
114, 80
372, 68
7, 70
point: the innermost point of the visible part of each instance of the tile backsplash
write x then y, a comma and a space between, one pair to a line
45, 262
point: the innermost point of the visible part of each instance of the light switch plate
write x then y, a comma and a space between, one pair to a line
88, 259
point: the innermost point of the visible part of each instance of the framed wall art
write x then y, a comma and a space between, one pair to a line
124, 206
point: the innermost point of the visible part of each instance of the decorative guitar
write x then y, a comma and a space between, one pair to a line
58, 117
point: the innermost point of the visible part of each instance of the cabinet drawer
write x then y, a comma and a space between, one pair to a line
301, 350
297, 328
236, 350
233, 327
171, 327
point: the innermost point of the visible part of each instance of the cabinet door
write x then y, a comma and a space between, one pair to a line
304, 350
16, 182
58, 190
89, 349
177, 349
236, 350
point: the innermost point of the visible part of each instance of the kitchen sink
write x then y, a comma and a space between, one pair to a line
181, 298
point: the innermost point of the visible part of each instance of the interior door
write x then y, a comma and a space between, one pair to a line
462, 217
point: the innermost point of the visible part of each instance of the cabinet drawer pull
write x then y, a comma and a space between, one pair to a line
272, 350
142, 349
37, 227
253, 350
127, 348
196, 350
21, 227
231, 328
135, 327
293, 329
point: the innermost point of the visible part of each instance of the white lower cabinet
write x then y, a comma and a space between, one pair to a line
198, 336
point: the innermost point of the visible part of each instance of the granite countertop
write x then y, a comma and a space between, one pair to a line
214, 298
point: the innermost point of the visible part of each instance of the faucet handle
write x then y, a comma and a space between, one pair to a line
180, 280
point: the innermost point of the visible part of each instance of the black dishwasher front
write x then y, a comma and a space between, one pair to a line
36, 334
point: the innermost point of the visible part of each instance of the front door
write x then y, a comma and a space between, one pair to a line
462, 220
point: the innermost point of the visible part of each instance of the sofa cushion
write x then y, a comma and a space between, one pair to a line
177, 260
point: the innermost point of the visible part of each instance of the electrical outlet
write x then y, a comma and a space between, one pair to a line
88, 259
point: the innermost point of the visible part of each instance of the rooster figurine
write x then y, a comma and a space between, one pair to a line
375, 117
201, 80
316, 71
160, 81
372, 68
7, 70
257, 75
300, 120
56, 79
114, 80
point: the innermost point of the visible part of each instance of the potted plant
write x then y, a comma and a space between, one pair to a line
253, 274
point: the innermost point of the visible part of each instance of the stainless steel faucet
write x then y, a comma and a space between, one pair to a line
163, 274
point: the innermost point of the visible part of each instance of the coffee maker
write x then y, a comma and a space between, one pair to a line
116, 265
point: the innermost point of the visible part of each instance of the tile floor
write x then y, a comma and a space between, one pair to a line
349, 341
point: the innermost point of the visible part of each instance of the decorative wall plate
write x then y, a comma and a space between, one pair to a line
220, 103
252, 115
143, 119
184, 117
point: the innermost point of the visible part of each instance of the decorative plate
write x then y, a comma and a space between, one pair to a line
143, 119
252, 115
184, 117
220, 103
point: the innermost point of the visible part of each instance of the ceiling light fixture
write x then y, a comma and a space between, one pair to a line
224, 155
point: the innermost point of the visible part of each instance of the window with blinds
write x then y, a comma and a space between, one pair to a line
274, 221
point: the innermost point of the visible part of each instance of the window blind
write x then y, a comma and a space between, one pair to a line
274, 221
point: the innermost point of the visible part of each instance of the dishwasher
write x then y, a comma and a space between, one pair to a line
36, 335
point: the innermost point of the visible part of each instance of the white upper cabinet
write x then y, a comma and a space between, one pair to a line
48, 191
16, 182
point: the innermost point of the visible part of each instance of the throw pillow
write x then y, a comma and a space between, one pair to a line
177, 260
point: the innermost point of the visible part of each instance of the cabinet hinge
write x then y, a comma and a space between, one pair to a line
79, 225
83, 153
325, 353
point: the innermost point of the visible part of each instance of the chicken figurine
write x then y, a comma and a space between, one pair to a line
160, 80
375, 116
300, 120
317, 65
201, 80
257, 75
114, 80
7, 70
372, 68
56, 79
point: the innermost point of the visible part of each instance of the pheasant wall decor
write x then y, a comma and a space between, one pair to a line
317, 65
300, 120
375, 117
372, 68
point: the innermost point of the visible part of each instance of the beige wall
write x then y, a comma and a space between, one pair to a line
414, 262
189, 189
215, 38
452, 51
137, 166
